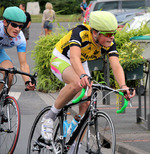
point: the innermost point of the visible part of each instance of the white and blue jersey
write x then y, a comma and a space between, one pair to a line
9, 42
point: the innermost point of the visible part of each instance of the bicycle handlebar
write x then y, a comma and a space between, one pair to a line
15, 71
104, 87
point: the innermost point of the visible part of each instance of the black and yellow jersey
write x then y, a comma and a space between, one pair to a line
81, 36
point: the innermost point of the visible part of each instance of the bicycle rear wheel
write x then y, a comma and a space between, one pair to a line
10, 126
97, 136
36, 144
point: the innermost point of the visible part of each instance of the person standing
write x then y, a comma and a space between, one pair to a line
83, 7
48, 18
27, 24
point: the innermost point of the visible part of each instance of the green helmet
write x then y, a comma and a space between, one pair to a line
103, 21
14, 14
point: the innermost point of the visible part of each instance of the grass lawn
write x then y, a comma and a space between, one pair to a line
59, 18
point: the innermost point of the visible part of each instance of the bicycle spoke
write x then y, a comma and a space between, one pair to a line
36, 144
97, 136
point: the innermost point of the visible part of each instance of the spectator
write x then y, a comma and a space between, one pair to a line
83, 7
48, 18
27, 24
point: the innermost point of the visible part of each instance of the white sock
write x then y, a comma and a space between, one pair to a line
52, 113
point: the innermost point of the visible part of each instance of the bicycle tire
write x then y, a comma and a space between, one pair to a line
99, 136
11, 128
35, 140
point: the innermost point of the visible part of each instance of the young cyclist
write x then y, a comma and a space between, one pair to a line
69, 62
10, 36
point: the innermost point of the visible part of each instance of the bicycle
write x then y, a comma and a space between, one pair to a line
10, 113
100, 132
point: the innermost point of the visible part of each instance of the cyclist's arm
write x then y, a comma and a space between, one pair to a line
75, 54
119, 75
24, 67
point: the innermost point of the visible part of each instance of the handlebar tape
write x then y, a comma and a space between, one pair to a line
118, 111
125, 104
79, 97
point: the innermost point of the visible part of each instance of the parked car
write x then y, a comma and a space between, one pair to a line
116, 7
136, 22
126, 16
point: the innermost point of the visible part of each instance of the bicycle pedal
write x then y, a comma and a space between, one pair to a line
4, 119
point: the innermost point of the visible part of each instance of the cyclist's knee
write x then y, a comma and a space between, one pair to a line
75, 87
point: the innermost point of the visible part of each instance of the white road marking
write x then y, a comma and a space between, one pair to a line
16, 95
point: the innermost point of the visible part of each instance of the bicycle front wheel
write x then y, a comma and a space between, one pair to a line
97, 136
36, 144
35, 140
10, 125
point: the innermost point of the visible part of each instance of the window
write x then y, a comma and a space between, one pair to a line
132, 4
105, 6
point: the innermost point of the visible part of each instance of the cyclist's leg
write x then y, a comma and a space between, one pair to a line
6, 62
62, 68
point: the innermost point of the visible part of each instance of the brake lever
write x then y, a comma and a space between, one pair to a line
131, 92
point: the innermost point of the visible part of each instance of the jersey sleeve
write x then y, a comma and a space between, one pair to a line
21, 45
76, 39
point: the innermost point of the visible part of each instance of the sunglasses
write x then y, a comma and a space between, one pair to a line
108, 34
16, 25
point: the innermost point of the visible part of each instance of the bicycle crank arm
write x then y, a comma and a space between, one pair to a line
7, 130
40, 144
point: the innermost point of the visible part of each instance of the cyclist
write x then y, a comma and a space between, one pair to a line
10, 36
69, 62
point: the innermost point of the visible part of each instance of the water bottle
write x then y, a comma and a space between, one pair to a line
65, 127
73, 124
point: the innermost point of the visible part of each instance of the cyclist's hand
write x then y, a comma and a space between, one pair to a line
129, 92
29, 86
84, 81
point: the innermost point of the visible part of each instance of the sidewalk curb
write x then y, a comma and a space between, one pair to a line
128, 149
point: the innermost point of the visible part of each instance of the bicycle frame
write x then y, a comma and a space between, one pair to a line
7, 104
91, 108
63, 142
3, 94
82, 120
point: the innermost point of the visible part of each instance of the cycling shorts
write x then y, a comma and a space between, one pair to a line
4, 56
59, 63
